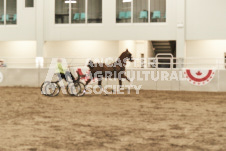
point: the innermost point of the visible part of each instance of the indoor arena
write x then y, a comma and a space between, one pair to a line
116, 75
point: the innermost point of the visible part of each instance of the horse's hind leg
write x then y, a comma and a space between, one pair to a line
99, 83
120, 83
88, 81
100, 86
120, 86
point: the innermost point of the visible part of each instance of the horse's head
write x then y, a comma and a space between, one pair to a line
90, 65
128, 55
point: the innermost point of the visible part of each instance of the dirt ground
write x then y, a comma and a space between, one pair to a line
152, 120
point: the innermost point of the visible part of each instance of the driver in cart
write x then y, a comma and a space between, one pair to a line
64, 73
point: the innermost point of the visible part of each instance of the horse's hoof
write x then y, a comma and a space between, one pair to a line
104, 94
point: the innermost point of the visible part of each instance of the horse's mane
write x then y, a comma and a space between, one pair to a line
120, 60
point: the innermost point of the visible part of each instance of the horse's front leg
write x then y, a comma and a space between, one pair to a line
121, 75
124, 76
131, 85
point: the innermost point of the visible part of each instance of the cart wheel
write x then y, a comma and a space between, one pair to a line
50, 89
83, 89
73, 88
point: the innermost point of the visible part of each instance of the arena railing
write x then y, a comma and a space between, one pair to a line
14, 62
160, 62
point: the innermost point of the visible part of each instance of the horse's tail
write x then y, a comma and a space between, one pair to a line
90, 64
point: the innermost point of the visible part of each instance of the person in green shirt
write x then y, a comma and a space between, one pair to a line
63, 73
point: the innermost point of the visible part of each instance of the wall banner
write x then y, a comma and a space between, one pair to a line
199, 77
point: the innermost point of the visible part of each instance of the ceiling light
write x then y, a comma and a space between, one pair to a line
124, 1
68, 1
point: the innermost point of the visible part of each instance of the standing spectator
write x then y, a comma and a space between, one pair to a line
2, 64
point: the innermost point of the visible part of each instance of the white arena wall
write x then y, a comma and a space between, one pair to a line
70, 49
205, 19
87, 49
186, 20
210, 52
109, 30
34, 77
17, 49
98, 48
206, 48
16, 52
26, 25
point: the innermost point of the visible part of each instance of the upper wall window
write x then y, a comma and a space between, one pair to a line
140, 11
78, 11
158, 10
61, 12
29, 3
8, 12
94, 11
123, 11
2, 12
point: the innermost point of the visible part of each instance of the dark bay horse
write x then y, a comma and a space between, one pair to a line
114, 70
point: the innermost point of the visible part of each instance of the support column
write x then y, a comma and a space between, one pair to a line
108, 12
181, 27
39, 27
